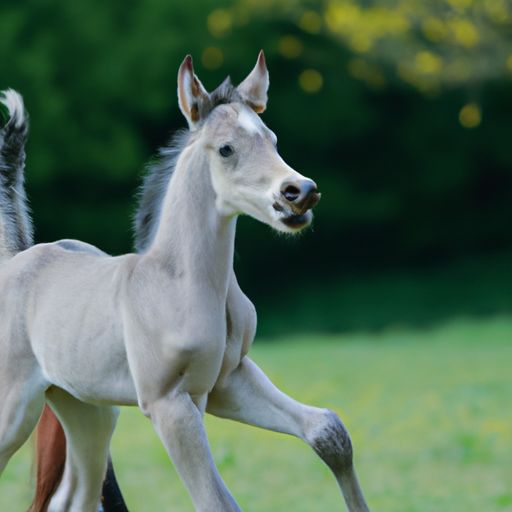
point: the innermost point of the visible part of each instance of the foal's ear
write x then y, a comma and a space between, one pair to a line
191, 93
254, 88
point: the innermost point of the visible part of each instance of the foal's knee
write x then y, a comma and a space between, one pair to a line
331, 441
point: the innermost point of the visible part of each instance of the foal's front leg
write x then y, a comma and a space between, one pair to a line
179, 424
248, 396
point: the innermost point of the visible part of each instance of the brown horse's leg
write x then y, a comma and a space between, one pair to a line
50, 460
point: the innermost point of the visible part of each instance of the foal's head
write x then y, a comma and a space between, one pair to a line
247, 173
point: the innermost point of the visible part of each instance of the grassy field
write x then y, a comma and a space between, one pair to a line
430, 413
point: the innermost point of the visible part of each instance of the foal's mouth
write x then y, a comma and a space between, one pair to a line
291, 217
297, 221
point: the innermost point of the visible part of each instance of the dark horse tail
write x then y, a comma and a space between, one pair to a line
15, 224
16, 235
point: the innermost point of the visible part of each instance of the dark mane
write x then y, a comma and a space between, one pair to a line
160, 169
152, 191
16, 233
225, 93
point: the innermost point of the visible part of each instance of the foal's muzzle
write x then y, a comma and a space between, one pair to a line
300, 195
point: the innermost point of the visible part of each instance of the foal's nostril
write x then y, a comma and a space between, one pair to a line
291, 193
301, 195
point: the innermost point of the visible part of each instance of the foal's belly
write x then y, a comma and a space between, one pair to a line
95, 371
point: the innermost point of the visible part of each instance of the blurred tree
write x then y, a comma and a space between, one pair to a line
430, 45
400, 109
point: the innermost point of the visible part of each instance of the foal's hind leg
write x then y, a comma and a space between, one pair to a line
248, 396
88, 430
21, 403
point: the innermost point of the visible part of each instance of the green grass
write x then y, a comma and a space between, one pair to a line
429, 411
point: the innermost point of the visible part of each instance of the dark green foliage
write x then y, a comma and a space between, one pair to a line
403, 182
417, 296
4, 115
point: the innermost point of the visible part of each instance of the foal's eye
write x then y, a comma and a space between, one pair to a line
226, 151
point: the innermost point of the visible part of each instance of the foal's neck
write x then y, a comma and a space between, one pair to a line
193, 239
